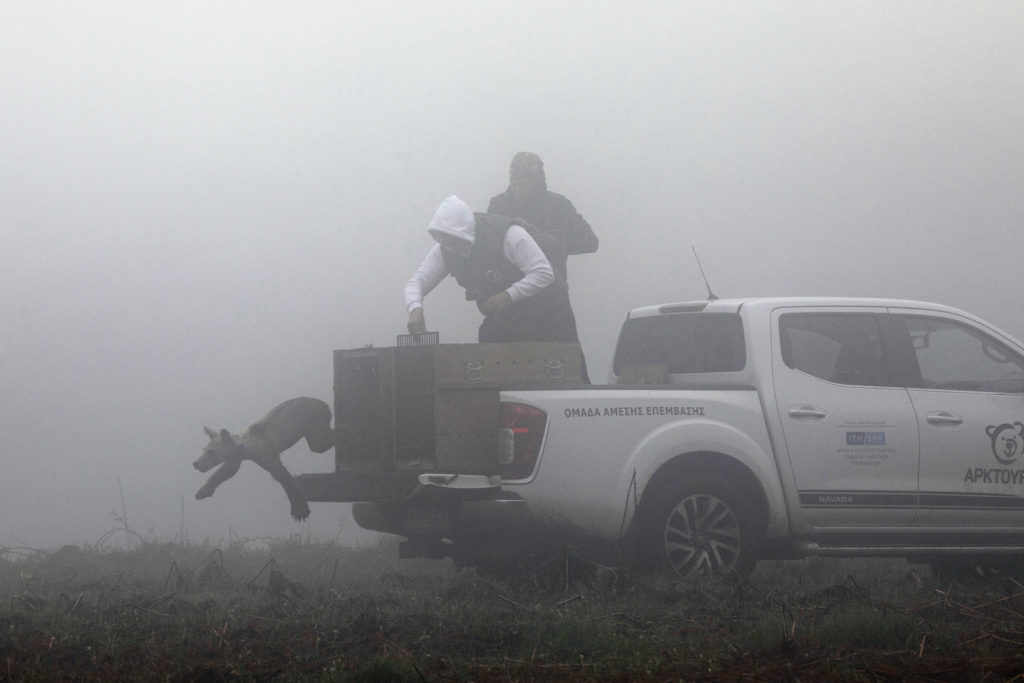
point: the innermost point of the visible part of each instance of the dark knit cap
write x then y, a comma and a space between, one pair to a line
526, 165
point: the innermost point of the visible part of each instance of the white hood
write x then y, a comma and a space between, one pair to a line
454, 218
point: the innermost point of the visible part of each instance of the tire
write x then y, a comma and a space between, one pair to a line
700, 526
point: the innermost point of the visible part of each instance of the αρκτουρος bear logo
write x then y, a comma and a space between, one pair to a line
1007, 441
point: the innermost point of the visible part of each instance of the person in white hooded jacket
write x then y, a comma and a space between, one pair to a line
501, 268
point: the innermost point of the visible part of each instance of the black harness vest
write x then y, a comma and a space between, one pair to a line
486, 271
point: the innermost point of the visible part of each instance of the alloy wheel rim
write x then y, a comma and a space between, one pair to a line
702, 536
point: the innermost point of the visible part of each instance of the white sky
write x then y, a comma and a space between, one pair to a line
199, 201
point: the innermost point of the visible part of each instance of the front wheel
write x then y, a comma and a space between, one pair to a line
700, 526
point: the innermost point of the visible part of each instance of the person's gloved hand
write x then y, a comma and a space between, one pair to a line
416, 322
496, 303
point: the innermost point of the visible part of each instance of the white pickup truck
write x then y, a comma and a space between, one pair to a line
741, 429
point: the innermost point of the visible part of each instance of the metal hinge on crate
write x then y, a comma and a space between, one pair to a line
419, 339
554, 367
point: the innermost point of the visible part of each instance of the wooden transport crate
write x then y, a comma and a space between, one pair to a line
435, 407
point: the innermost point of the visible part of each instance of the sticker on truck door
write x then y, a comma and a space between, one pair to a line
866, 448
1007, 441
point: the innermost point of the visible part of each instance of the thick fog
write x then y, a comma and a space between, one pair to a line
199, 202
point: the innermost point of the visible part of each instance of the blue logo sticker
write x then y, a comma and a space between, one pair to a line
865, 438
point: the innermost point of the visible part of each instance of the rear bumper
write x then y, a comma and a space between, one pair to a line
348, 487
376, 485
423, 505
466, 519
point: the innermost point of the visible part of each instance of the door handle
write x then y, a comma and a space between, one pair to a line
807, 412
944, 418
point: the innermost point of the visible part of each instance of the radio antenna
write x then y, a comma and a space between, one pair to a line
711, 296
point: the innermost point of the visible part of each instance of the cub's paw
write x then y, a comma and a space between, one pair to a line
300, 511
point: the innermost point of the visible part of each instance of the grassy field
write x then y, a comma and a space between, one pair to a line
294, 610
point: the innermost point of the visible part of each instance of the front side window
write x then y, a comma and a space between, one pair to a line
955, 356
845, 348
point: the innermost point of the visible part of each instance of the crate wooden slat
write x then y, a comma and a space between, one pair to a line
496, 365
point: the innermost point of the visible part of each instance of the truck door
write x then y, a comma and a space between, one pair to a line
966, 387
849, 427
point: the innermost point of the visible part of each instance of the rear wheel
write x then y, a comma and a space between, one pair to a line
701, 526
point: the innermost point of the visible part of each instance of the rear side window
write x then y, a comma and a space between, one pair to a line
845, 348
683, 342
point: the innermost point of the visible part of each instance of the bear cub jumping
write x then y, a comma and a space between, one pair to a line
263, 442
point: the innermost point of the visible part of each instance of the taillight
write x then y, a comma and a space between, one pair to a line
527, 425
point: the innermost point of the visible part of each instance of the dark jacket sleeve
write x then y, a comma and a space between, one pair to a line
579, 237
558, 227
497, 204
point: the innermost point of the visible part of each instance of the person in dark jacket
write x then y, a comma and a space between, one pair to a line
552, 220
501, 268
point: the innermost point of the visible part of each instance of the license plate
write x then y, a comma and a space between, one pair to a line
427, 519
